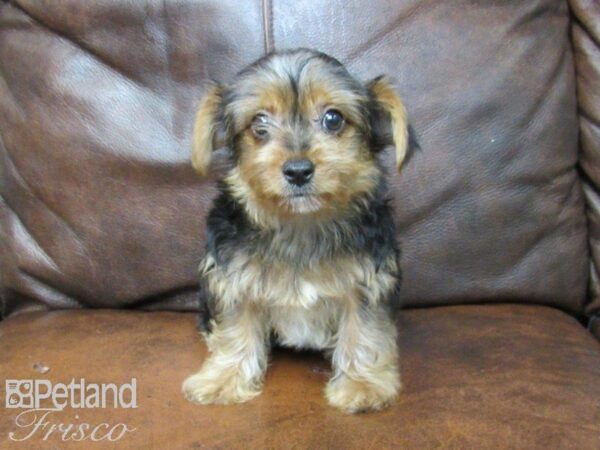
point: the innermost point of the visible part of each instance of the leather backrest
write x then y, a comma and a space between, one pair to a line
100, 206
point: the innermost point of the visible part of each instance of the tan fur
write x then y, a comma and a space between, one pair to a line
246, 279
365, 362
313, 308
234, 371
344, 166
204, 130
390, 101
306, 299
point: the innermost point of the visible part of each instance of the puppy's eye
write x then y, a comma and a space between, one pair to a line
332, 121
259, 126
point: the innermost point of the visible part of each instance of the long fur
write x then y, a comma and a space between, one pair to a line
312, 267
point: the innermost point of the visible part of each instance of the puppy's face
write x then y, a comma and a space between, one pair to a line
304, 134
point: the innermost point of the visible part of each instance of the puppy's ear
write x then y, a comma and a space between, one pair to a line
206, 125
390, 118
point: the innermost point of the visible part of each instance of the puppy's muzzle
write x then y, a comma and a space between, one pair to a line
298, 172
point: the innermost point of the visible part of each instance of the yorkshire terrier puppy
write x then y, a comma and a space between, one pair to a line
301, 243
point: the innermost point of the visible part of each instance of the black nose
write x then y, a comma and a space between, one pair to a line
298, 171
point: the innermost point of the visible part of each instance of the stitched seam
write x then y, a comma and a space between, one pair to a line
267, 13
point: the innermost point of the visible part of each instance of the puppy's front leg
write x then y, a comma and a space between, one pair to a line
365, 360
234, 371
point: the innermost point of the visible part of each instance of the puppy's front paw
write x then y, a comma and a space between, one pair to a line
223, 388
353, 396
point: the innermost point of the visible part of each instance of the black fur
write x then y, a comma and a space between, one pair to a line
371, 232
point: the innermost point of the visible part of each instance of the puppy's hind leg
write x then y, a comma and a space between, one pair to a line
365, 360
234, 371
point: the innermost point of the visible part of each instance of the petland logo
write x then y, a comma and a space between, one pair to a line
40, 399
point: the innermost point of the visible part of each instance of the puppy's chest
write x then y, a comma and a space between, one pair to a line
300, 327
303, 305
273, 283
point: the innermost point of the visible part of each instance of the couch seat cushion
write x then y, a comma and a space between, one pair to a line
495, 376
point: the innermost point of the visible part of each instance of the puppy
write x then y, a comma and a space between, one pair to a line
301, 241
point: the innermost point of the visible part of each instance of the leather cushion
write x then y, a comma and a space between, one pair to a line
99, 204
504, 376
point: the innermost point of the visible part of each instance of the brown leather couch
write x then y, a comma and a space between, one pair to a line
101, 216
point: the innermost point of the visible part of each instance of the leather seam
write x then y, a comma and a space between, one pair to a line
267, 13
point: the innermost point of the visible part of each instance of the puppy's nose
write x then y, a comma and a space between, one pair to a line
298, 171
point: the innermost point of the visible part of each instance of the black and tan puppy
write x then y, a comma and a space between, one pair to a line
301, 240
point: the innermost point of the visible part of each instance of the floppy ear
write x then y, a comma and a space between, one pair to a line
205, 128
390, 104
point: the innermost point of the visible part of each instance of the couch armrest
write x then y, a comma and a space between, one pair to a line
586, 49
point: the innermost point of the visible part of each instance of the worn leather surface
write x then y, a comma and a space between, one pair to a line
484, 377
100, 206
586, 49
